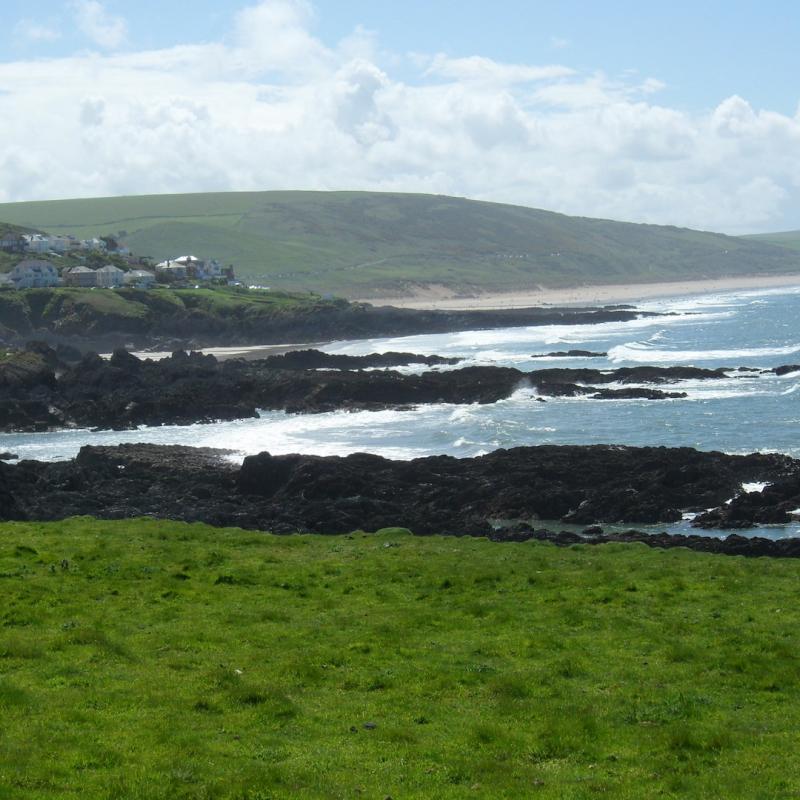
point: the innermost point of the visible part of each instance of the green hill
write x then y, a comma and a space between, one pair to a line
789, 239
361, 243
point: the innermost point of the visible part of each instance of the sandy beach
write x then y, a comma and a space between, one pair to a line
440, 298
247, 352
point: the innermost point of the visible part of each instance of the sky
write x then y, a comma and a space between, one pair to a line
673, 113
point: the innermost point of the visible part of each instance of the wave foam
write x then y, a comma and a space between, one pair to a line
482, 343
641, 352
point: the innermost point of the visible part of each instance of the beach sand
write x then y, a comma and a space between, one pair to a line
247, 352
440, 298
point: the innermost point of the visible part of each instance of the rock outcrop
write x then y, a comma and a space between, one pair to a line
41, 392
583, 485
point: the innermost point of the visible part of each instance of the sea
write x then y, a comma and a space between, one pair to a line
744, 413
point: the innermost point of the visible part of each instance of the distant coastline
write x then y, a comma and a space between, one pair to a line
443, 298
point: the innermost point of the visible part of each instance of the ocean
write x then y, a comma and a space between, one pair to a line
743, 413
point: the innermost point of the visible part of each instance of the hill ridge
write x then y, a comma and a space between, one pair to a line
384, 243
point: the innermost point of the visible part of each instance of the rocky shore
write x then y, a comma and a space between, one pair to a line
503, 495
44, 389
149, 320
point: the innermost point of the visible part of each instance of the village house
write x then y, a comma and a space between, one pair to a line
36, 243
110, 277
80, 276
196, 268
45, 243
60, 244
93, 244
170, 271
140, 279
12, 242
33, 274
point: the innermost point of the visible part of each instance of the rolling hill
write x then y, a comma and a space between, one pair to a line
362, 244
790, 239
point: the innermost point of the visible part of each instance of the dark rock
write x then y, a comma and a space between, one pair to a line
125, 392
68, 354
314, 359
570, 354
786, 369
777, 504
641, 374
48, 355
593, 530
435, 495
124, 360
636, 394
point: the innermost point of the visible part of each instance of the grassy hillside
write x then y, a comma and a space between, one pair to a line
359, 243
145, 659
789, 239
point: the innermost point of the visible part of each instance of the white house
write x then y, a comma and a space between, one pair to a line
195, 268
33, 274
110, 276
45, 243
139, 279
93, 244
36, 243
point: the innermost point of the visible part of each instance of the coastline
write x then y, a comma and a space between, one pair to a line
439, 298
247, 352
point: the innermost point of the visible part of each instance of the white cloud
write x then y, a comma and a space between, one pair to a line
477, 68
272, 106
32, 30
275, 36
103, 29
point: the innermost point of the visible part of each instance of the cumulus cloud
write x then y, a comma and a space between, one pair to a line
275, 36
271, 106
103, 29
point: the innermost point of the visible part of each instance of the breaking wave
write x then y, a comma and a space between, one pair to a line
641, 352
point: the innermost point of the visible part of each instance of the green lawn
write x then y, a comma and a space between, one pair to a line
144, 659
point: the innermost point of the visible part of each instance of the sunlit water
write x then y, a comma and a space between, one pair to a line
741, 414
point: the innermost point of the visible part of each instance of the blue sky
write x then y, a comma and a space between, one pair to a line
703, 51
682, 113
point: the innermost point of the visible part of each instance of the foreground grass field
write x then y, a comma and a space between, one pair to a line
144, 659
